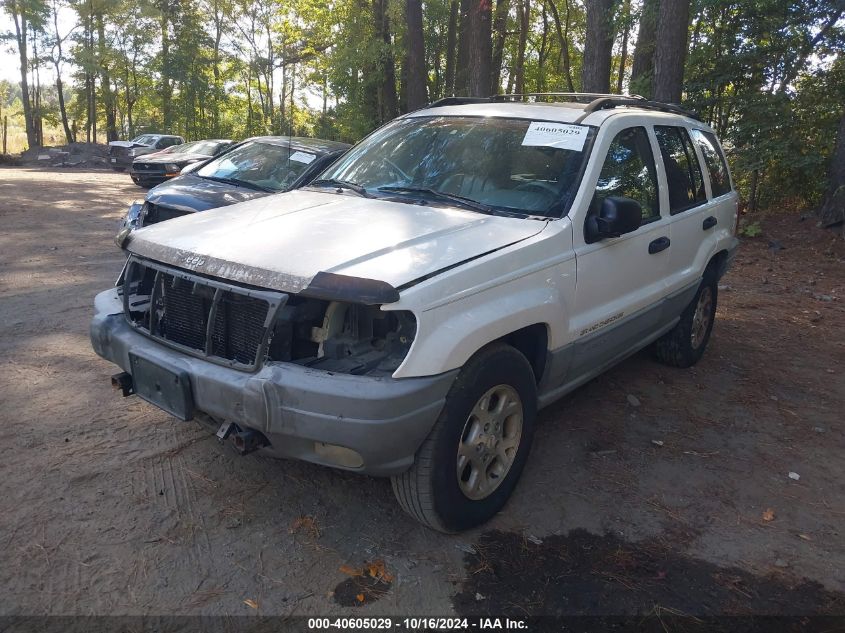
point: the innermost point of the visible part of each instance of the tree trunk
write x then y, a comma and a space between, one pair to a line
542, 52
476, 48
524, 26
21, 26
623, 56
598, 44
416, 90
563, 39
166, 85
451, 49
105, 82
670, 50
500, 30
832, 210
62, 108
642, 69
388, 101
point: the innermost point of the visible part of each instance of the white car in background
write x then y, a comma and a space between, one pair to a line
408, 313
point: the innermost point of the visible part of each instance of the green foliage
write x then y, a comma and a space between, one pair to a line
768, 75
752, 229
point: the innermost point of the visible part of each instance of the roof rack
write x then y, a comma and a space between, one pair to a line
613, 101
595, 102
450, 101
573, 96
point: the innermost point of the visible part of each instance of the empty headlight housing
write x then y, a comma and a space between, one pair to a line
342, 337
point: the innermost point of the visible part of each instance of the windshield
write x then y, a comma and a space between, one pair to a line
265, 165
513, 165
206, 148
144, 139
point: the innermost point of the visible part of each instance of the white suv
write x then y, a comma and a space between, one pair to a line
408, 313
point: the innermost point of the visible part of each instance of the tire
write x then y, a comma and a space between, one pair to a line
432, 490
684, 345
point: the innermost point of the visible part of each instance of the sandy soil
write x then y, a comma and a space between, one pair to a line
111, 507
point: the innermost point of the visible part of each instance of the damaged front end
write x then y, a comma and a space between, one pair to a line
245, 328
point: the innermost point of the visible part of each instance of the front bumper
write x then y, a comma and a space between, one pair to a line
300, 410
145, 175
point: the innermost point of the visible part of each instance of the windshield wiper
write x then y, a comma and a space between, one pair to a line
240, 183
341, 184
460, 201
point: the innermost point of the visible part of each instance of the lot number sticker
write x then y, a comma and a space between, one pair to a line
303, 157
557, 135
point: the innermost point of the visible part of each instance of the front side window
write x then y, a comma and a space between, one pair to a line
683, 173
720, 182
502, 165
264, 166
628, 171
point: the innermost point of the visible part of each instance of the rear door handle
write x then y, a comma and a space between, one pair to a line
709, 223
660, 244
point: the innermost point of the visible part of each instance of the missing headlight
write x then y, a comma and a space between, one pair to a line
342, 337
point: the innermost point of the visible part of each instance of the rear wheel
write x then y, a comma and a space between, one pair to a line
684, 345
471, 461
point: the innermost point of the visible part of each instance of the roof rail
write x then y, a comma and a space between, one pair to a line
450, 101
613, 101
573, 96
597, 101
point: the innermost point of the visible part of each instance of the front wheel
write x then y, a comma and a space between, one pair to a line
684, 345
471, 461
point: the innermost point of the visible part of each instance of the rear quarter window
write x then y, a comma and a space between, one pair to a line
683, 173
714, 159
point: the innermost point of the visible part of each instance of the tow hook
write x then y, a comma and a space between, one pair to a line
123, 382
245, 441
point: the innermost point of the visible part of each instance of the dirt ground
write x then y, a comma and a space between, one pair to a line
109, 506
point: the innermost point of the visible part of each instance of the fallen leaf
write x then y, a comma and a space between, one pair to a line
350, 571
378, 571
360, 597
769, 515
251, 603
307, 524
805, 537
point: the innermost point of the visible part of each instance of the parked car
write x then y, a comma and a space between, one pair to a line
254, 168
122, 153
408, 313
153, 169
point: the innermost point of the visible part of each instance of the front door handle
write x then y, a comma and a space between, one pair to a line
709, 223
660, 244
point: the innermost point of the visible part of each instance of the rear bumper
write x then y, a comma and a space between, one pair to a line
300, 410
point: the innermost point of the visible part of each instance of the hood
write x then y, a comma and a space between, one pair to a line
192, 193
283, 241
173, 158
126, 144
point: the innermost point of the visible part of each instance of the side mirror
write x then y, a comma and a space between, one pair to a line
617, 216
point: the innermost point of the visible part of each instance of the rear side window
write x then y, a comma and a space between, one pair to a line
717, 167
683, 173
629, 171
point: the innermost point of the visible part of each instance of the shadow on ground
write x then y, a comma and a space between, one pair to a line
609, 582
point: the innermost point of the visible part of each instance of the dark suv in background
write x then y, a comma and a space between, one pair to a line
254, 168
153, 169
